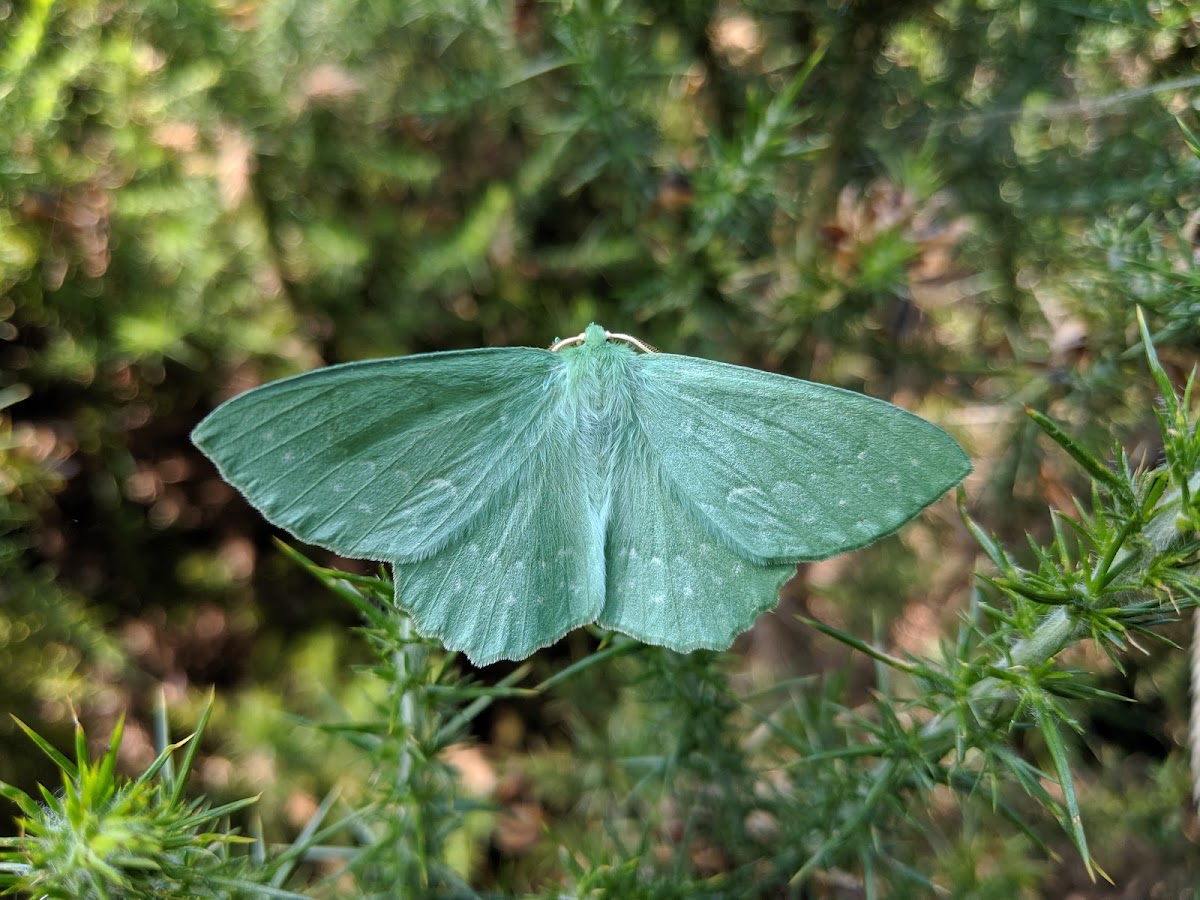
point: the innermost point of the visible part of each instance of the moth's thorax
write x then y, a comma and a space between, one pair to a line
597, 377
599, 381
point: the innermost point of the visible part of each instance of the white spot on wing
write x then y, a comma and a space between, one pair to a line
742, 493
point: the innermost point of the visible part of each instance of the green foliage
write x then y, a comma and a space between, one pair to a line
103, 835
709, 791
403, 833
954, 204
1121, 567
50, 640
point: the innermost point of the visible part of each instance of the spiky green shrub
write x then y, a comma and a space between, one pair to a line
104, 835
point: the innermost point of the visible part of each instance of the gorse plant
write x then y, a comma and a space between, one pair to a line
847, 779
949, 204
1123, 564
413, 809
740, 794
106, 836
745, 795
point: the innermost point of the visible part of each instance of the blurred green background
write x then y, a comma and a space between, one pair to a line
953, 205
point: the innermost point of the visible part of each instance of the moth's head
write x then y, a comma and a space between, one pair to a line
594, 336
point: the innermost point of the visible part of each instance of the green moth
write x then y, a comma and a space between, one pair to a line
520, 493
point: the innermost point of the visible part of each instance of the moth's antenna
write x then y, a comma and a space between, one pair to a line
566, 342
610, 335
630, 339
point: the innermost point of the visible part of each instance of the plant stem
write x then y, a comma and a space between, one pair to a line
407, 703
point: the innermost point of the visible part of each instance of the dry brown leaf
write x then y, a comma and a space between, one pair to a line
329, 83
862, 217
737, 37
235, 164
475, 772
